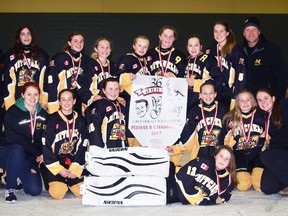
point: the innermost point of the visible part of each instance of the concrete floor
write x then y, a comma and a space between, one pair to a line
241, 203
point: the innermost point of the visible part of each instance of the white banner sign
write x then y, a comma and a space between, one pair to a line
158, 110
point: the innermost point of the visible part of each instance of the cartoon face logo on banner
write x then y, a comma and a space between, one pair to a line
157, 110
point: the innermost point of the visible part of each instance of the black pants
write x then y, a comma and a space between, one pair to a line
275, 175
172, 188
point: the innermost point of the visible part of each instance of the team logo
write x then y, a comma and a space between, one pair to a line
241, 61
66, 63
149, 58
208, 51
244, 144
57, 126
96, 68
118, 132
257, 62
26, 76
210, 139
67, 148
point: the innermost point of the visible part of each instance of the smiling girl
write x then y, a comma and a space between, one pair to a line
97, 69
246, 135
24, 125
275, 175
64, 145
191, 185
203, 132
165, 59
200, 68
107, 118
230, 60
129, 66
25, 62
65, 68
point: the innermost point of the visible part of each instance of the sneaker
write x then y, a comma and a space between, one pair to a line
284, 192
19, 185
10, 196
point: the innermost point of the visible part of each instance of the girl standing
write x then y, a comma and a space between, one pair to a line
230, 60
129, 66
165, 60
65, 68
25, 62
97, 69
200, 68
64, 145
246, 135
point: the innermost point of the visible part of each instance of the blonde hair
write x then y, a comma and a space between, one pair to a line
234, 116
94, 55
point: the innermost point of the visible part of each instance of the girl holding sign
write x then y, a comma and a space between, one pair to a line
203, 132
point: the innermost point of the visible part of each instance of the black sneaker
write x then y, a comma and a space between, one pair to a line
10, 196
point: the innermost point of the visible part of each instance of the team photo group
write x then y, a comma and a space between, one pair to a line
155, 127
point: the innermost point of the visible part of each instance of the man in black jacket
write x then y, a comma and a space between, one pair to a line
265, 64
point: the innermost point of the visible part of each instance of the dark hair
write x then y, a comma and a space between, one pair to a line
208, 82
66, 90
30, 84
70, 37
231, 41
276, 112
105, 82
232, 165
142, 101
18, 46
195, 36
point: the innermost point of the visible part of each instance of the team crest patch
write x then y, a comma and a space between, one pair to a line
109, 108
57, 126
66, 63
135, 66
149, 58
241, 61
96, 68
208, 51
204, 166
